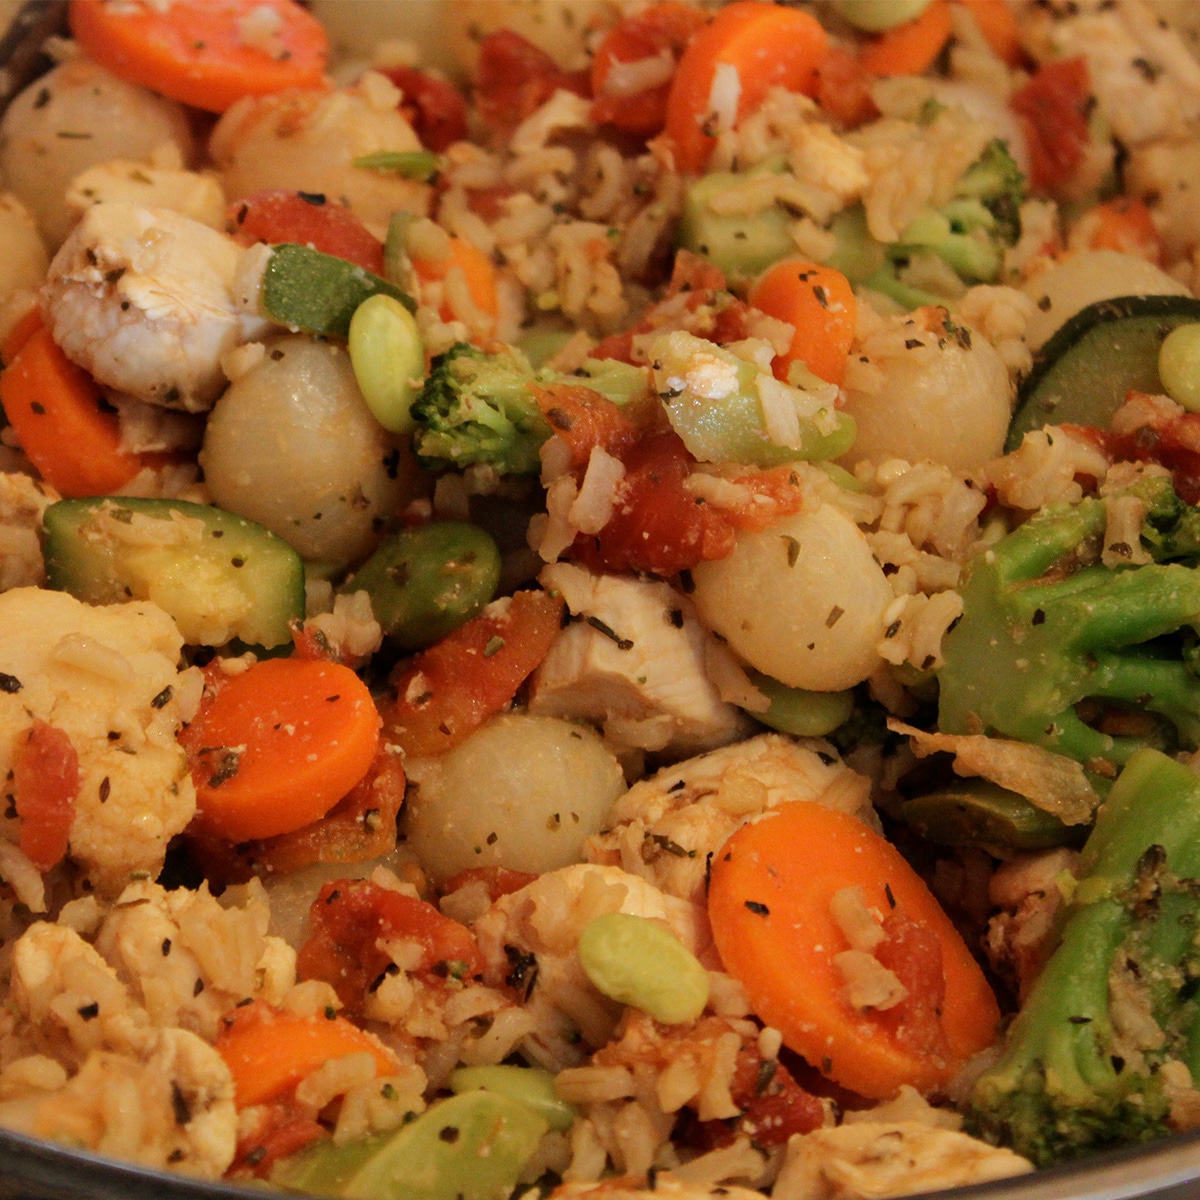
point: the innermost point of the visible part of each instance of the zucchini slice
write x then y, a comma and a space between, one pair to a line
219, 576
1081, 375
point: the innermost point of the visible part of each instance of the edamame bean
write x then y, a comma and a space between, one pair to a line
635, 961
1179, 366
388, 357
800, 712
470, 1147
874, 16
527, 1084
427, 581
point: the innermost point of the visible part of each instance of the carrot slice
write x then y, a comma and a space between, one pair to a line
45, 782
769, 904
910, 49
56, 409
767, 46
477, 270
268, 1052
998, 25
819, 303
1126, 224
278, 746
207, 53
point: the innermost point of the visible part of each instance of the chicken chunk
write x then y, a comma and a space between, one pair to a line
667, 827
22, 502
875, 1159
142, 298
171, 1106
529, 940
189, 959
634, 662
107, 678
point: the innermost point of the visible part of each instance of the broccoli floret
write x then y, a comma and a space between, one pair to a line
478, 408
969, 233
1082, 1065
1046, 625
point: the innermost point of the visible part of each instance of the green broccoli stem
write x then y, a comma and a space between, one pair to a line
1045, 626
1062, 1087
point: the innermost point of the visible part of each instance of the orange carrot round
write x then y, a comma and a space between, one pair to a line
278, 746
55, 408
207, 53
766, 44
476, 267
1126, 224
268, 1052
769, 904
999, 26
910, 49
819, 303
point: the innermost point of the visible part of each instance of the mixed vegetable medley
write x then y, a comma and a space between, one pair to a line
602, 595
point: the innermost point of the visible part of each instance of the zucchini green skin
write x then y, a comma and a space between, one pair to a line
1082, 374
227, 578
305, 289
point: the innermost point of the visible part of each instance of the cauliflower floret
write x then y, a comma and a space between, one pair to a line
529, 940
190, 959
871, 1159
107, 678
667, 827
635, 662
143, 299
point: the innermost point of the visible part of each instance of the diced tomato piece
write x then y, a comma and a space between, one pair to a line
646, 35
583, 418
45, 783
844, 88
1053, 108
447, 691
657, 525
311, 219
349, 917
434, 108
774, 1105
283, 1129
515, 78
499, 881
911, 950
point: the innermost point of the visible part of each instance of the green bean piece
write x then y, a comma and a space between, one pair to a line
408, 164
528, 1084
800, 712
469, 1147
1179, 365
875, 16
976, 812
427, 581
636, 961
388, 357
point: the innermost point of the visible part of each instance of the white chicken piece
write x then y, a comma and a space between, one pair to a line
71, 998
529, 939
189, 959
169, 1107
143, 299
871, 1160
634, 662
1145, 80
666, 828
23, 499
192, 194
107, 678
